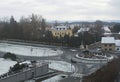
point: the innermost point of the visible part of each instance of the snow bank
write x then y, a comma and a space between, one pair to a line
5, 65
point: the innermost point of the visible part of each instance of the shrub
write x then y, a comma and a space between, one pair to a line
10, 56
18, 67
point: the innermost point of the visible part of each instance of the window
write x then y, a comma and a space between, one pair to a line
110, 45
118, 49
105, 49
68, 33
105, 45
110, 49
33, 74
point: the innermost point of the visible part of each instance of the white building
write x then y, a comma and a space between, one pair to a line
117, 45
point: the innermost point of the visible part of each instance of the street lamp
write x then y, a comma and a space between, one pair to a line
82, 45
36, 51
48, 58
71, 65
31, 50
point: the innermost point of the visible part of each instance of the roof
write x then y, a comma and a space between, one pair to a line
61, 27
83, 29
108, 40
107, 33
117, 42
106, 29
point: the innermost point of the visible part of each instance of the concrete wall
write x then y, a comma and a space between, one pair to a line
26, 75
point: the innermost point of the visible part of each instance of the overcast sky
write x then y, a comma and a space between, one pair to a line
62, 9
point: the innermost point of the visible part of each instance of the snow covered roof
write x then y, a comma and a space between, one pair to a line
61, 27
106, 29
108, 40
83, 29
117, 42
107, 33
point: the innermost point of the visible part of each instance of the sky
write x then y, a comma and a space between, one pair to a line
62, 9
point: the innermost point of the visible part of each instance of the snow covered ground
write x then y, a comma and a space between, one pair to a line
5, 65
29, 50
73, 50
61, 66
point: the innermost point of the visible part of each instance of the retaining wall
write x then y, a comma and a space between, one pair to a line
27, 74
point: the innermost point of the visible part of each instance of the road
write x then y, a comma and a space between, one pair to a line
81, 68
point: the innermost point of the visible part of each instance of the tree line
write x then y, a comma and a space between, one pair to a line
28, 28
33, 28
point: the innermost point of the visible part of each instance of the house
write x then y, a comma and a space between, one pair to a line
108, 43
61, 31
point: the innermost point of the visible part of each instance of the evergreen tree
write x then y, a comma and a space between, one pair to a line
116, 28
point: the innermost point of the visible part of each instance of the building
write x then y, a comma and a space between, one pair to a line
108, 43
117, 43
32, 71
61, 31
